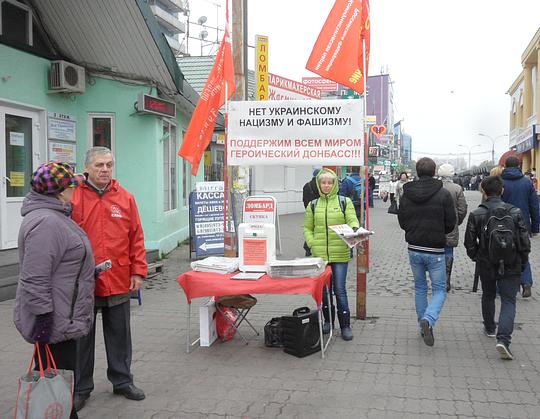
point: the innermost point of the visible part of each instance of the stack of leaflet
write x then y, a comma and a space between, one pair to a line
297, 268
216, 264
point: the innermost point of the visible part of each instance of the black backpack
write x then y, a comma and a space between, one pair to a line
501, 238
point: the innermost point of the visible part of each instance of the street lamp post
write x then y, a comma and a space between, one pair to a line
469, 148
492, 144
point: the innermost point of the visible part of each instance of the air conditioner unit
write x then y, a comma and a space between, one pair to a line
66, 77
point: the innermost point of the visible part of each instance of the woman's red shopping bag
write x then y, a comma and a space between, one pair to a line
46, 393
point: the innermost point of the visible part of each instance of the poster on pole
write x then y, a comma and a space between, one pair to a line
296, 132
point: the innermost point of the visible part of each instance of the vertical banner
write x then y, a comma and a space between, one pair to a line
262, 67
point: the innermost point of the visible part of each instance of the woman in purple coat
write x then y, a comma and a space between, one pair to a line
55, 294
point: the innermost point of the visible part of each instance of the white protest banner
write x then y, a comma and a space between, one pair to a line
299, 132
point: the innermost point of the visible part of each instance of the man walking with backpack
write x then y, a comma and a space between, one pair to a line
519, 191
427, 214
352, 188
497, 239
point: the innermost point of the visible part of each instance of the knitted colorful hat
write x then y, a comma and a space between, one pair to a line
52, 178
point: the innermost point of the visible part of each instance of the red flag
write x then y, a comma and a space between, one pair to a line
203, 120
338, 54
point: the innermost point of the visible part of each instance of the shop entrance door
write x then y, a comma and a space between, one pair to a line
18, 133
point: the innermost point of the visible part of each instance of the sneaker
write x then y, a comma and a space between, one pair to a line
526, 291
490, 333
427, 332
326, 328
504, 351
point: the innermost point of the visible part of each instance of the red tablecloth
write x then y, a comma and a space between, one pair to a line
207, 284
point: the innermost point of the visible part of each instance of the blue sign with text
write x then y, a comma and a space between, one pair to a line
206, 212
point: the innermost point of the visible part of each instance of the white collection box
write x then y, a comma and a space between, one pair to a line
207, 322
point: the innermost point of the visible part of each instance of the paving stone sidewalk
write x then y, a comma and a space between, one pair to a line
385, 372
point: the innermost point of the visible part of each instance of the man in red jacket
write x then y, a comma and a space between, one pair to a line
109, 216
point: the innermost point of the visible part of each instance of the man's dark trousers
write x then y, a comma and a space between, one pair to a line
508, 288
117, 335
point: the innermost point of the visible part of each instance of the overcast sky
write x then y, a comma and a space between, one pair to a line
451, 62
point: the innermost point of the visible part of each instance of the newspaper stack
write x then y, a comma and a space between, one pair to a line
217, 264
297, 268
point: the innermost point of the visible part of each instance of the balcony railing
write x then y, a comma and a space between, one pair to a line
167, 20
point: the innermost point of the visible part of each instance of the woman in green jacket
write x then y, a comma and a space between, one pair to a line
329, 209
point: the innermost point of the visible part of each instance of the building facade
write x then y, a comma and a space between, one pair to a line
105, 78
525, 106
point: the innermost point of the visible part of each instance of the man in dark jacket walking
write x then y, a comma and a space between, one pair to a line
505, 280
310, 190
309, 193
519, 191
427, 214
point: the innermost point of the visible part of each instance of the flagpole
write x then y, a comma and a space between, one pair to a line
228, 237
362, 252
225, 162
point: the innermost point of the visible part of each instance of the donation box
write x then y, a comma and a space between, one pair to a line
256, 246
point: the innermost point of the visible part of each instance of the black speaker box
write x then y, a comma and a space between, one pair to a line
301, 336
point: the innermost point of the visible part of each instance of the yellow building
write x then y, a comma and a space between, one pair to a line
525, 111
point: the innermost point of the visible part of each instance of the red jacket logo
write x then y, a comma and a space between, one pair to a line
115, 211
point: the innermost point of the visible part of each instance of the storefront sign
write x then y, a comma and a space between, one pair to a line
385, 139
374, 151
61, 126
371, 119
217, 186
320, 83
526, 140
281, 88
62, 152
262, 67
156, 106
206, 221
296, 132
260, 209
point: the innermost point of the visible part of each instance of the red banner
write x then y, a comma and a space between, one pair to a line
338, 54
203, 120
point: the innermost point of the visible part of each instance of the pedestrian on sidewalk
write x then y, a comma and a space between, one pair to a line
392, 189
108, 213
426, 213
372, 183
328, 210
446, 173
481, 245
519, 191
352, 187
403, 179
56, 258
309, 193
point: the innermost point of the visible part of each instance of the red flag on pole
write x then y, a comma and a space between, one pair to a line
203, 120
338, 53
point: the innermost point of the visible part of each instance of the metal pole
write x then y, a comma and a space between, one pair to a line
362, 251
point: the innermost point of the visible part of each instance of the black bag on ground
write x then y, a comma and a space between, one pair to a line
273, 333
301, 335
393, 208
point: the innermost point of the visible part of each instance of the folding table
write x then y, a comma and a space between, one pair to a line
209, 284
